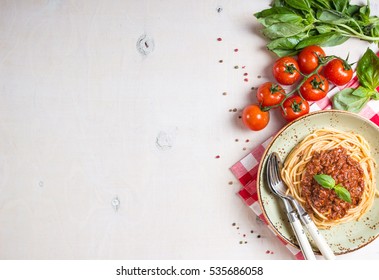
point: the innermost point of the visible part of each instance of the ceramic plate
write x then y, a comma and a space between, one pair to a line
342, 238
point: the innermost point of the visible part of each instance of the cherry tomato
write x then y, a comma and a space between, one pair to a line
254, 118
294, 107
314, 88
339, 72
270, 94
308, 59
286, 70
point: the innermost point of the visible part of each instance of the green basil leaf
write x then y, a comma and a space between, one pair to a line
342, 193
362, 92
341, 99
375, 96
278, 18
333, 17
357, 106
278, 3
368, 70
288, 43
326, 40
340, 5
273, 11
364, 13
345, 100
375, 31
325, 181
284, 29
321, 4
283, 52
352, 10
299, 4
335, 40
324, 28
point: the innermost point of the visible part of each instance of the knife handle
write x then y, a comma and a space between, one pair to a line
301, 237
324, 248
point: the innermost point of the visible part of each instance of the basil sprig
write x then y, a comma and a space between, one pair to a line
291, 25
328, 182
354, 100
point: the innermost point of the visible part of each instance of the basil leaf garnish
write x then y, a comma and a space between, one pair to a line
342, 193
328, 182
368, 70
325, 180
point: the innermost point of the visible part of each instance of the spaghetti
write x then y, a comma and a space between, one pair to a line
343, 155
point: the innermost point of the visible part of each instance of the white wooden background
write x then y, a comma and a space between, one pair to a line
109, 146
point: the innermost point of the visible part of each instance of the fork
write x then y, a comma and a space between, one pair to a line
273, 180
281, 190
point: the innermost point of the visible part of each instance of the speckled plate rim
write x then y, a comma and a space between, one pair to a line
262, 161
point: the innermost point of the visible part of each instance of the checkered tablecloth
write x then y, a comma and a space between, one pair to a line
246, 169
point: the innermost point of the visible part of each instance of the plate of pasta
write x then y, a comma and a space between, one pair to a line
330, 167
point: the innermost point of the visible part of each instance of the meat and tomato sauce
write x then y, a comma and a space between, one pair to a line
344, 170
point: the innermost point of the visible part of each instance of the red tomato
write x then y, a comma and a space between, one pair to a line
254, 118
294, 107
308, 59
339, 72
286, 70
269, 94
314, 88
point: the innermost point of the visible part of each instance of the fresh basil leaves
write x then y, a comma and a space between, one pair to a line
325, 181
328, 182
368, 70
354, 100
317, 22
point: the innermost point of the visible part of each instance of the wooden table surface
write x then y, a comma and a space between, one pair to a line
119, 122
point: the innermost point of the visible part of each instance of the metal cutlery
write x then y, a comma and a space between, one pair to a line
273, 180
279, 188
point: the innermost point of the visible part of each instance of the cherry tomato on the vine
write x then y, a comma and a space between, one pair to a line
314, 88
286, 70
339, 72
269, 94
254, 118
308, 59
294, 107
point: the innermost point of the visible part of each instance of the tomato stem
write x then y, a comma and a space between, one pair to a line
322, 61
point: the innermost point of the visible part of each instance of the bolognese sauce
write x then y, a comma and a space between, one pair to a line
344, 170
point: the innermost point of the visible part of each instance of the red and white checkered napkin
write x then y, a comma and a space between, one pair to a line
246, 169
